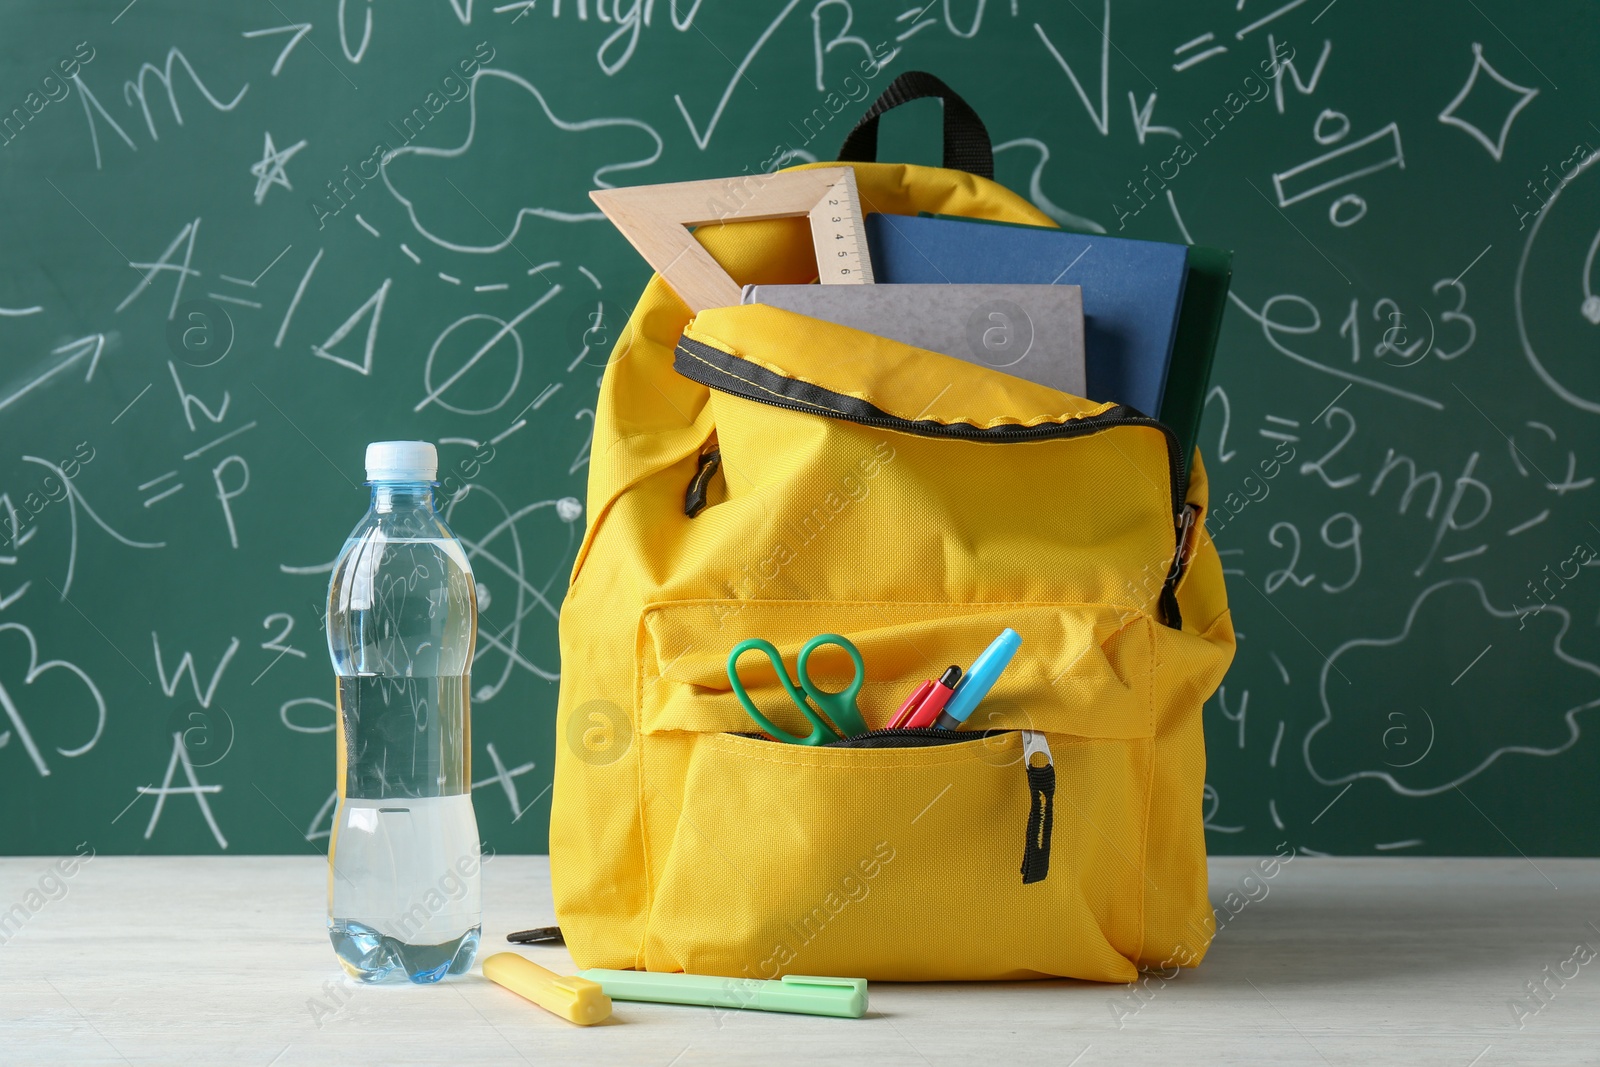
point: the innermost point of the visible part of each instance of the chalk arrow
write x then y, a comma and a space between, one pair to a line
77, 348
73, 351
299, 29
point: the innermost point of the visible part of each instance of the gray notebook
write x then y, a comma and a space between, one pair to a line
1034, 332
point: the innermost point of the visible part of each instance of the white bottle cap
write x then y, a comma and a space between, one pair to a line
402, 461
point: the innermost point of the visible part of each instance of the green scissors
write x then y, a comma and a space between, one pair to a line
840, 707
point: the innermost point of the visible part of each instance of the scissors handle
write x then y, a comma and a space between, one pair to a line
820, 733
839, 707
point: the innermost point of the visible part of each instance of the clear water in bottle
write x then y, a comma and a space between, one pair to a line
403, 889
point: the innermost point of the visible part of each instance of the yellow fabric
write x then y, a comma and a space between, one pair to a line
678, 845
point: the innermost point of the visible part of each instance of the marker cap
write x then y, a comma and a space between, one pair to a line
980, 678
575, 999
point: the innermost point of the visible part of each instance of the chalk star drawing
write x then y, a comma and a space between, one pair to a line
1523, 95
269, 171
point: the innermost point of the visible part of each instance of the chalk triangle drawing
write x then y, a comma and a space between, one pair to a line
374, 305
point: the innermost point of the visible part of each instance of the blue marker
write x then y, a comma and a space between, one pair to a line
979, 679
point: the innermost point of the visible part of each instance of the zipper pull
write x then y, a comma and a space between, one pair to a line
695, 497
1042, 808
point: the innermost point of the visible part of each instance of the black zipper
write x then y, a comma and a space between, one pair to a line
716, 369
920, 737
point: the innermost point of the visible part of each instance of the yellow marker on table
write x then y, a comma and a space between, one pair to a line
576, 1000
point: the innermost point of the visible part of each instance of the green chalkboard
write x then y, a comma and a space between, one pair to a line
236, 246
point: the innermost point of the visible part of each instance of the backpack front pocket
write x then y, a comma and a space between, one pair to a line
899, 855
882, 863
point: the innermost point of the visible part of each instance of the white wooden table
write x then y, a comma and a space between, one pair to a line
1344, 961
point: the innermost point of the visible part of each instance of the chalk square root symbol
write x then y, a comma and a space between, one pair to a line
656, 219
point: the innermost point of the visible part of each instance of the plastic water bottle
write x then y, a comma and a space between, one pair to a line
403, 893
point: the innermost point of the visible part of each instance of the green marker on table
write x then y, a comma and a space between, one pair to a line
845, 998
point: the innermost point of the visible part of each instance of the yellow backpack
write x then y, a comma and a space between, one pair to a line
757, 473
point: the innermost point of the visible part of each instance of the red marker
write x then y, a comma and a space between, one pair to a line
910, 706
933, 703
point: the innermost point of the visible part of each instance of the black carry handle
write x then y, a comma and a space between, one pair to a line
966, 140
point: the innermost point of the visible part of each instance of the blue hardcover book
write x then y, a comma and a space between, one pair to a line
1131, 289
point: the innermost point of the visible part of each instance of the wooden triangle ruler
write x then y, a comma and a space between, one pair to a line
655, 220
